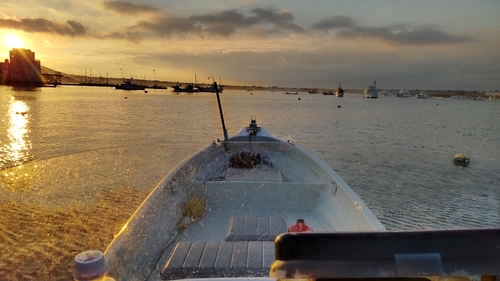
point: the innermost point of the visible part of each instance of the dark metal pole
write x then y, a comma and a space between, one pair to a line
220, 111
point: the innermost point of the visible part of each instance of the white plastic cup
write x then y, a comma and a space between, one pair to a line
90, 266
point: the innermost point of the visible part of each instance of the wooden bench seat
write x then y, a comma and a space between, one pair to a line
254, 228
219, 259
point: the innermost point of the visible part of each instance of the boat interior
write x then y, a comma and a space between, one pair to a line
249, 194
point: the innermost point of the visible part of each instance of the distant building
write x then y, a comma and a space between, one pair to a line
22, 68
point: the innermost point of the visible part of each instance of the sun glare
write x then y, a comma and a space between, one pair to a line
13, 41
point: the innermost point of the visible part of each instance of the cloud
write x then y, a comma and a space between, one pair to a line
128, 8
333, 23
345, 27
39, 25
134, 37
166, 25
264, 22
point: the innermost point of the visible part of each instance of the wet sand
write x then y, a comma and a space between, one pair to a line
53, 209
61, 233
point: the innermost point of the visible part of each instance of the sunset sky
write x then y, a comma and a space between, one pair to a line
316, 44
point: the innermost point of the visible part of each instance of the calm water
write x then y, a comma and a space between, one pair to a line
77, 161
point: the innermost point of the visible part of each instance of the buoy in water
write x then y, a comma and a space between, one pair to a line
338, 106
461, 160
298, 98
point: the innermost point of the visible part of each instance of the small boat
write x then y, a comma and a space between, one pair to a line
478, 97
371, 92
128, 84
423, 95
403, 93
340, 91
189, 88
315, 91
209, 89
460, 97
328, 93
218, 212
291, 93
386, 93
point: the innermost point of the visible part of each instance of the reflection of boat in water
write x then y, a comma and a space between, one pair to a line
340, 92
218, 212
128, 84
371, 92
403, 93
423, 95
189, 88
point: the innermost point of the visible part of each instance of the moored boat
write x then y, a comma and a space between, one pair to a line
386, 93
403, 93
371, 92
209, 89
128, 84
423, 95
340, 91
189, 88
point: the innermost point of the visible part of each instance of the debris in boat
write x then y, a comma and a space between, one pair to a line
300, 226
461, 160
244, 160
194, 208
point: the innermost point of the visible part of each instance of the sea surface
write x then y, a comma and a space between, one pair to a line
75, 162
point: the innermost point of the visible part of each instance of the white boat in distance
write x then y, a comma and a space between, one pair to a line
371, 92
403, 93
423, 95
386, 93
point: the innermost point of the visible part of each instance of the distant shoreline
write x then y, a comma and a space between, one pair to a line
165, 85
77, 80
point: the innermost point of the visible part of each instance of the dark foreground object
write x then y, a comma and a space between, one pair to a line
443, 253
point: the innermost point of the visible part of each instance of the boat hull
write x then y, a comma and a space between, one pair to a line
288, 183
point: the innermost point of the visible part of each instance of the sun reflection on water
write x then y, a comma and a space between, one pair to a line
16, 151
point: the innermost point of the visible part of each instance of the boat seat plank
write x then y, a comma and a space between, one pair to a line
219, 259
269, 175
255, 228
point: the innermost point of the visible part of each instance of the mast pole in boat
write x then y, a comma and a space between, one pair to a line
220, 109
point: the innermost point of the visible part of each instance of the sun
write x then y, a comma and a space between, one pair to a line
13, 41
